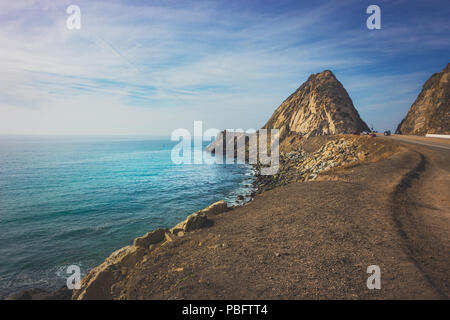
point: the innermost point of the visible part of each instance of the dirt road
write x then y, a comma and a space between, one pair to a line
422, 213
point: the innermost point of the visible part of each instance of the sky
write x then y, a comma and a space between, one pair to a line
150, 67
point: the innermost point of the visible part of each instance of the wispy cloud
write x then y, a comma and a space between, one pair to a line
151, 67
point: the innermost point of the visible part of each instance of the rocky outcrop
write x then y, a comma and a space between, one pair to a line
430, 113
102, 281
320, 106
150, 238
299, 165
199, 219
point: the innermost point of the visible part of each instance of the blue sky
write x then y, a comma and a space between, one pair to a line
149, 67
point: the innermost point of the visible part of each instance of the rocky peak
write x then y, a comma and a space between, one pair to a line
430, 113
320, 106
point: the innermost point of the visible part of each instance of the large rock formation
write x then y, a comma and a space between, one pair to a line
430, 113
320, 106
103, 282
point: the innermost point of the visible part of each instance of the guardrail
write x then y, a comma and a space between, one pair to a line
443, 136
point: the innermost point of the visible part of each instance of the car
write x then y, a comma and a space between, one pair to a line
387, 133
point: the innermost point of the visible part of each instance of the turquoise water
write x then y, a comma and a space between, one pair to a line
67, 201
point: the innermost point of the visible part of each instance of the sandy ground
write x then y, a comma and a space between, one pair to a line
315, 240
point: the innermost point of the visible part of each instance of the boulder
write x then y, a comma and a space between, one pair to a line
199, 219
170, 237
150, 238
98, 282
215, 208
195, 221
361, 156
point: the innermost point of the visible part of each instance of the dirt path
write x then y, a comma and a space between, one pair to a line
315, 240
422, 214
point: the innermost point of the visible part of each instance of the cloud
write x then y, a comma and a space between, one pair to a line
154, 66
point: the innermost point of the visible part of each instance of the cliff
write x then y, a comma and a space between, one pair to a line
430, 113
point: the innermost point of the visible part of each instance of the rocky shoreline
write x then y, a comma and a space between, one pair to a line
104, 275
97, 283
127, 256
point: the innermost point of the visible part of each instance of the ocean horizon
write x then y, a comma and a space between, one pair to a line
73, 200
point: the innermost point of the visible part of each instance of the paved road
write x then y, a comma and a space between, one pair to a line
425, 141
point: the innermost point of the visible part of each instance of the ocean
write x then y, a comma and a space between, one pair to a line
73, 201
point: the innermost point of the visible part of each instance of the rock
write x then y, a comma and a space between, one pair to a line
215, 208
335, 153
320, 106
123, 256
240, 197
101, 281
170, 237
361, 156
98, 282
430, 113
199, 219
150, 238
195, 221
178, 228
